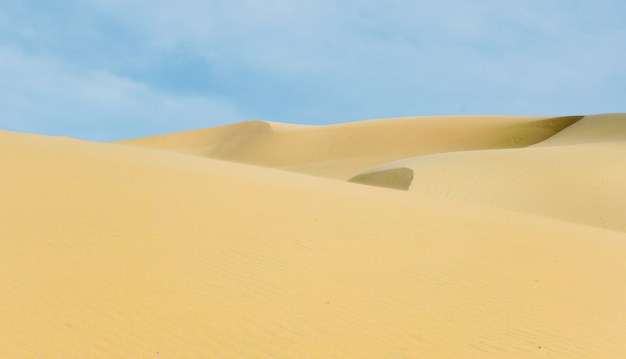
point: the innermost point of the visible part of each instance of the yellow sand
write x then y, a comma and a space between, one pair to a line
167, 248
341, 151
578, 175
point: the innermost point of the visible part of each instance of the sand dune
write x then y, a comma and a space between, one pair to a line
174, 247
342, 151
578, 175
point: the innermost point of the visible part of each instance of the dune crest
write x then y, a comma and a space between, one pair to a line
344, 150
534, 132
592, 129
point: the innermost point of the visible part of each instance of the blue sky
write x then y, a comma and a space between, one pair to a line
113, 69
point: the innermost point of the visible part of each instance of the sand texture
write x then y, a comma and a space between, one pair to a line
424, 237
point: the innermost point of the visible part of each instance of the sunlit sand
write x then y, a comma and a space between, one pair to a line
421, 237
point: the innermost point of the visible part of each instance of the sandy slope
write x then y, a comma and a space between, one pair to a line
116, 251
577, 175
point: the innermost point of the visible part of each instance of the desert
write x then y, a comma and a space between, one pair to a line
415, 237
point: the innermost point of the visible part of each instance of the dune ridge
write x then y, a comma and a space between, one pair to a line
577, 174
173, 247
592, 129
342, 151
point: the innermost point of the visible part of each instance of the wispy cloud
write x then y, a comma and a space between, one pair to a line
41, 95
111, 69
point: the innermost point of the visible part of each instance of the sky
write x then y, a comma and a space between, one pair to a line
108, 70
